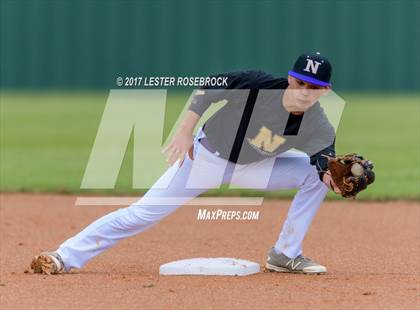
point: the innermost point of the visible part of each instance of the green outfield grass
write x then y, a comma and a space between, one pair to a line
46, 139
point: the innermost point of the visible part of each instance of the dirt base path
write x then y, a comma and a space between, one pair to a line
371, 250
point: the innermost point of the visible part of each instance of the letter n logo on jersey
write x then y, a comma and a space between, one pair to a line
266, 141
311, 66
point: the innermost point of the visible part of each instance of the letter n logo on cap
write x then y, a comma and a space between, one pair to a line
311, 65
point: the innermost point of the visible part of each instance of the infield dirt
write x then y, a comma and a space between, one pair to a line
371, 250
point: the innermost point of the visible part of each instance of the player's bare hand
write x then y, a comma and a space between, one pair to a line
327, 179
181, 144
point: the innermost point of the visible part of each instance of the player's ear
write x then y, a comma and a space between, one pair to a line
290, 79
326, 90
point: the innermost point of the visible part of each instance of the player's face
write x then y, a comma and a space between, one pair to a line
304, 93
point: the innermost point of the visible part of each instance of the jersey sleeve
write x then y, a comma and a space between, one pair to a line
205, 96
320, 161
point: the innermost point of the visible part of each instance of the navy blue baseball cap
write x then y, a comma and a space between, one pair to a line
312, 68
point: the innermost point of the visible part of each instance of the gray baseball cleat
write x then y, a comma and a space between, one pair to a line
47, 263
300, 264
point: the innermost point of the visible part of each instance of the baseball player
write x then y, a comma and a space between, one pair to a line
248, 143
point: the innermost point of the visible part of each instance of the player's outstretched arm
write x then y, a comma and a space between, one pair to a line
182, 141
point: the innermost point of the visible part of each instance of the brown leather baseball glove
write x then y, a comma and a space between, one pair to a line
351, 173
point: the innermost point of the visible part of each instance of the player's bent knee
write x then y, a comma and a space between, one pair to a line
312, 177
305, 173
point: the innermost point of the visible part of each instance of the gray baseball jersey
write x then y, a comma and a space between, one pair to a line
253, 124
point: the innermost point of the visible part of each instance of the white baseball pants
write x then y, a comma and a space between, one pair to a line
179, 185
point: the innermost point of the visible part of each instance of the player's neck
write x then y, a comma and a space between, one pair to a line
288, 104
